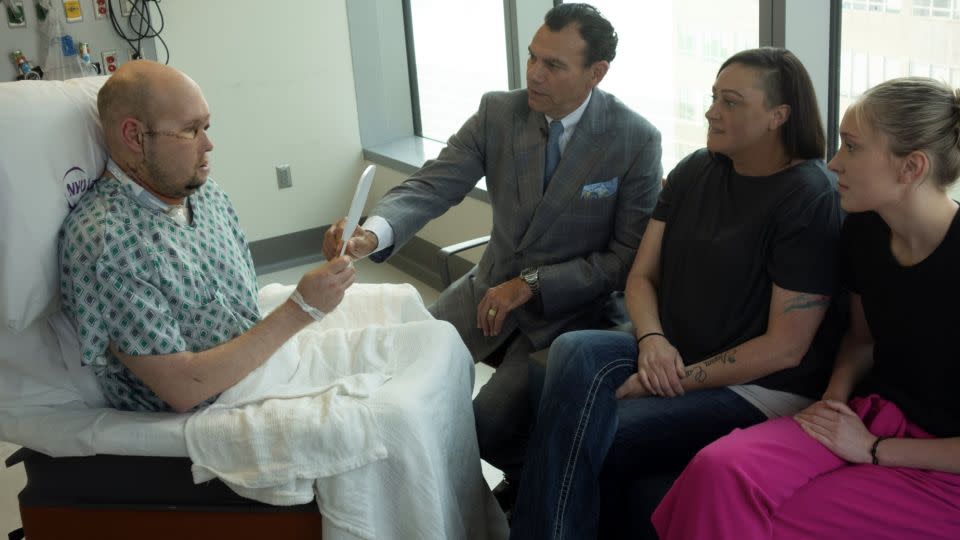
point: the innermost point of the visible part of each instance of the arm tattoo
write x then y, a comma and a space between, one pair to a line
805, 301
699, 374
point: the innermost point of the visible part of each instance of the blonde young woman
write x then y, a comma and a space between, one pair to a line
885, 464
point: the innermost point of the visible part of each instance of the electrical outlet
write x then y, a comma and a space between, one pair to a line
284, 178
100, 9
126, 6
110, 61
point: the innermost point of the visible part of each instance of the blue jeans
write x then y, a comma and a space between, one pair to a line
583, 432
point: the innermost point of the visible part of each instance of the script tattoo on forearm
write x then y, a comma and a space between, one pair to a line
805, 301
699, 374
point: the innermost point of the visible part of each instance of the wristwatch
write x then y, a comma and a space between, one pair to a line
532, 278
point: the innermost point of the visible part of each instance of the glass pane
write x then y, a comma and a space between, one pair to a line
877, 74
845, 82
940, 73
922, 41
906, 43
461, 53
860, 83
921, 8
919, 69
668, 57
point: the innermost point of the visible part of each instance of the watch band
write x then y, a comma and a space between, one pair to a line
532, 278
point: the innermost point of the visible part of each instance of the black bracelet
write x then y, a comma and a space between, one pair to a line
648, 334
873, 449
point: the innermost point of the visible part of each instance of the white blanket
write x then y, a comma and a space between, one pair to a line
370, 409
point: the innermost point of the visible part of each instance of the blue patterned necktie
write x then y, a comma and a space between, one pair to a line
553, 151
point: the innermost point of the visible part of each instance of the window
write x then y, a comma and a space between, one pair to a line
461, 53
880, 46
946, 9
860, 83
686, 42
889, 6
919, 69
688, 106
664, 70
875, 47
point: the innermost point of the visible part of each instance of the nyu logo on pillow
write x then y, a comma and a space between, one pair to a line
77, 182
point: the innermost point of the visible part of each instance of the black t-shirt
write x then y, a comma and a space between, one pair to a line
727, 239
910, 311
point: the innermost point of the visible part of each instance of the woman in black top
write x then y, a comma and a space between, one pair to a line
885, 464
726, 294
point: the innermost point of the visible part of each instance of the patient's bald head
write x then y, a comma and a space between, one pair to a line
126, 93
155, 120
144, 90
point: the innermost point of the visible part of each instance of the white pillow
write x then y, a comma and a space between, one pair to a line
53, 150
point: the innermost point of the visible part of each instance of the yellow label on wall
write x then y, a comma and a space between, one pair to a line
72, 10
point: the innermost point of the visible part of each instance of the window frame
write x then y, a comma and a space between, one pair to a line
512, 51
384, 65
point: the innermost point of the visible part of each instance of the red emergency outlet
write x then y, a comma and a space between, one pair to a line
109, 61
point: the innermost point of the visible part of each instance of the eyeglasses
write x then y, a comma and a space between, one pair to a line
188, 134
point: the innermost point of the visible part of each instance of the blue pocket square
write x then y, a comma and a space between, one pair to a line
599, 190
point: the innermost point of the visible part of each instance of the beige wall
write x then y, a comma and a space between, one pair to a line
279, 82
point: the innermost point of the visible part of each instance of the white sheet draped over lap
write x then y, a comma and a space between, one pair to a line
369, 408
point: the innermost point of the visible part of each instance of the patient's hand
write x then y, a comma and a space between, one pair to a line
361, 244
324, 286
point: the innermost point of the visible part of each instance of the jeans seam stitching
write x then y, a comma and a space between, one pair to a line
578, 438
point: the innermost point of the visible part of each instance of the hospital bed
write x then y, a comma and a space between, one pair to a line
92, 471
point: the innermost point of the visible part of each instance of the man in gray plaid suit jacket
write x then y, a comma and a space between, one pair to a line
561, 243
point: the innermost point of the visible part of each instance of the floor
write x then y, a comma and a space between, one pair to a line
12, 480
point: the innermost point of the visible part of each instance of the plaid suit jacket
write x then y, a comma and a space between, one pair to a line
582, 233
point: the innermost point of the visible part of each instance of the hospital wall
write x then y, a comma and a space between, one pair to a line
280, 90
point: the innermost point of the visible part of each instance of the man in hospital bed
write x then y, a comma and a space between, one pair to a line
157, 277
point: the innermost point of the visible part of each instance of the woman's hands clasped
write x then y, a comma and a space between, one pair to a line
659, 370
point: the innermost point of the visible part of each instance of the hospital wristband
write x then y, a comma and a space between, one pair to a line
307, 308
